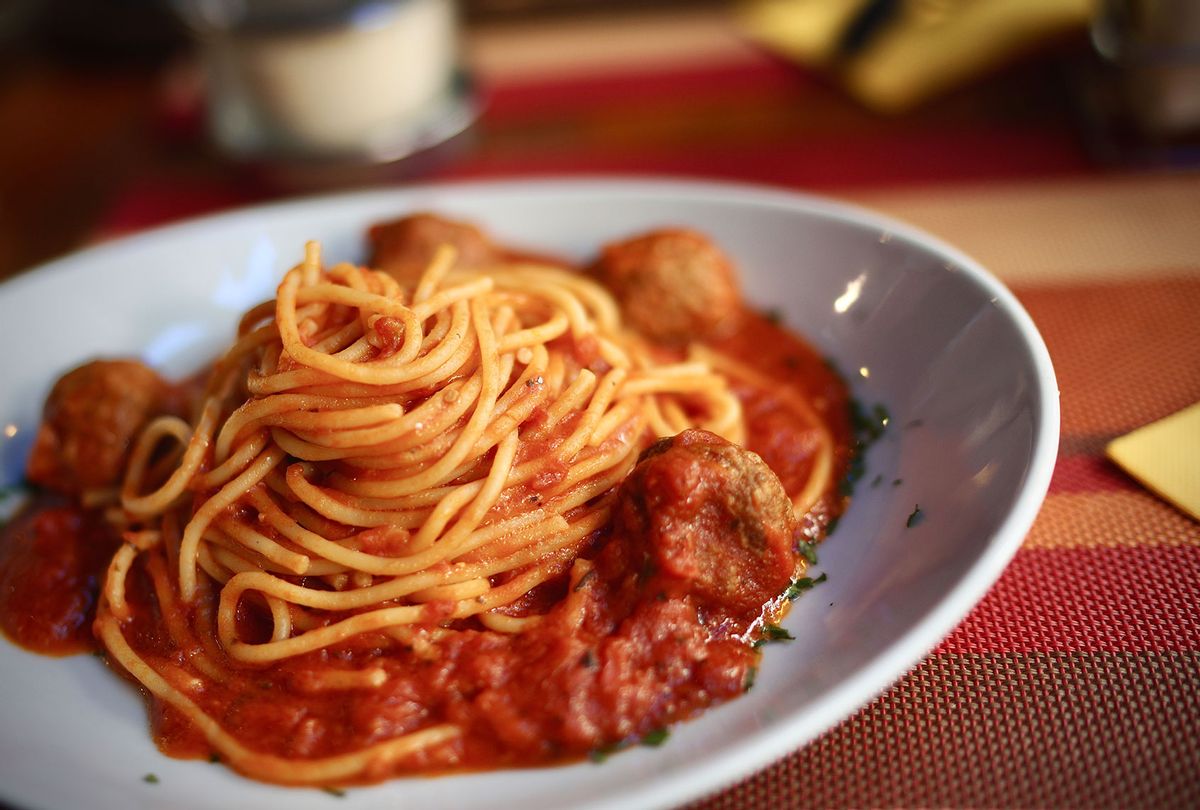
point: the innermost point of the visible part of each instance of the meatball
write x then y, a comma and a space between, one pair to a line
404, 247
713, 521
91, 418
674, 286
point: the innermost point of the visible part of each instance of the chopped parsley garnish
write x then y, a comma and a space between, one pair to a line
808, 550
748, 683
916, 517
332, 791
771, 633
801, 585
877, 480
775, 316
652, 739
602, 753
150, 779
656, 737
867, 427
587, 660
214, 757
897, 482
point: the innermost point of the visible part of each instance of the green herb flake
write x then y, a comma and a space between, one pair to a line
897, 482
773, 632
801, 585
868, 426
808, 550
655, 738
214, 758
602, 753
150, 779
916, 517
587, 660
751, 675
877, 480
775, 316
332, 791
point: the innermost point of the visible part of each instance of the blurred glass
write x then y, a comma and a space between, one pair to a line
330, 80
1154, 48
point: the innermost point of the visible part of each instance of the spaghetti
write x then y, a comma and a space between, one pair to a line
392, 501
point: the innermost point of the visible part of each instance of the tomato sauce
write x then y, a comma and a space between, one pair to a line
615, 658
614, 661
52, 561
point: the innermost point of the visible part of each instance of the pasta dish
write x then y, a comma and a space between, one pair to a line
463, 507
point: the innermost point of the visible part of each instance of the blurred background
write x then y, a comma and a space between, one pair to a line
121, 115
1056, 141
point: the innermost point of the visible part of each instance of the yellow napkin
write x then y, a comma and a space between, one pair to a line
919, 48
1165, 457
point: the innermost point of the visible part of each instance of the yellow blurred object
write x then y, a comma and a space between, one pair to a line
807, 31
894, 55
1165, 457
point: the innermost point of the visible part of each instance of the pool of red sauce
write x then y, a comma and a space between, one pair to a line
52, 560
638, 661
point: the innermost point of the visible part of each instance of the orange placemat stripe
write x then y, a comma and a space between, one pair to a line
1116, 520
1125, 354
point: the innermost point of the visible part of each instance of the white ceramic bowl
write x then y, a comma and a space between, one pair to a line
918, 326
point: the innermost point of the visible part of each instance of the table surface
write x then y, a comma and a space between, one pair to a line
1076, 681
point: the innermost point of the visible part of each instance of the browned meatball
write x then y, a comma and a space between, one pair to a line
714, 521
674, 286
404, 247
91, 418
